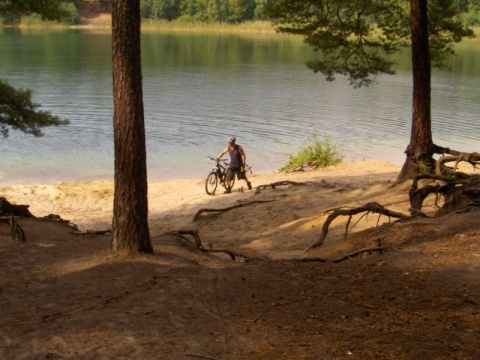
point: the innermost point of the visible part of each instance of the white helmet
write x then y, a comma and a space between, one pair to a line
231, 139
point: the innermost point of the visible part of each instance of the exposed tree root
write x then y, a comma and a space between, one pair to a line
457, 157
58, 218
358, 252
194, 233
367, 208
16, 231
200, 356
457, 188
8, 209
200, 211
8, 212
343, 257
93, 232
279, 183
198, 242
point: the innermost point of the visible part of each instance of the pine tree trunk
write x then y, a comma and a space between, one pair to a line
130, 209
421, 148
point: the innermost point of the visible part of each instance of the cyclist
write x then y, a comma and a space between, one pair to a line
238, 159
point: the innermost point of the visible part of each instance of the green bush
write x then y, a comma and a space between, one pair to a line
316, 152
72, 16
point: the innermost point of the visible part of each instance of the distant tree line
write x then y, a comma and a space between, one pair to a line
236, 11
209, 11
62, 11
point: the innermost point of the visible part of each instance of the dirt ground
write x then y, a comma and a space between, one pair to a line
94, 14
65, 295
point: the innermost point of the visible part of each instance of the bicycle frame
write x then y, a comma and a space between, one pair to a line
220, 170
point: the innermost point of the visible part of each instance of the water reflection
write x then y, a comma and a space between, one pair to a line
201, 88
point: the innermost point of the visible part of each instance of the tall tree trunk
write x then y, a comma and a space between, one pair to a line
130, 208
421, 148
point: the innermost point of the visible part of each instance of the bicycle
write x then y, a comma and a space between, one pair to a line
308, 166
218, 175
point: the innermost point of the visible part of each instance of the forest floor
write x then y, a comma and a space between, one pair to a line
63, 294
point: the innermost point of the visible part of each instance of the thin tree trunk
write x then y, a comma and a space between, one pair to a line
130, 209
421, 148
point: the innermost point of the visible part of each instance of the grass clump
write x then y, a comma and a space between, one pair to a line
317, 152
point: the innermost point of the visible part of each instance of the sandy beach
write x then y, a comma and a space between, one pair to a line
173, 203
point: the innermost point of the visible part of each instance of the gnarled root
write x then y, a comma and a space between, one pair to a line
198, 242
8, 209
279, 183
200, 211
16, 231
459, 189
367, 208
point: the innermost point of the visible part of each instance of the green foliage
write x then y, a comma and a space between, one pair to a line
356, 37
445, 28
324, 152
17, 111
36, 11
473, 15
223, 11
47, 9
72, 16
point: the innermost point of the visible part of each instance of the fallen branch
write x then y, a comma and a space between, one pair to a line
368, 208
200, 211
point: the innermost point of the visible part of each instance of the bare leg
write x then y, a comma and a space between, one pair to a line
249, 184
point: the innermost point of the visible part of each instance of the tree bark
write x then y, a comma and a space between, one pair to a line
420, 151
130, 208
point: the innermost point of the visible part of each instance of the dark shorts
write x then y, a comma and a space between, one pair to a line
232, 171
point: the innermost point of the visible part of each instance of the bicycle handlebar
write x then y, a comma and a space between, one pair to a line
214, 159
225, 162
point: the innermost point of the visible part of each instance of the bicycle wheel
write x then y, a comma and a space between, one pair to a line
232, 182
211, 183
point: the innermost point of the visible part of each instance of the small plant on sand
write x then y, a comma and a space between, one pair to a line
316, 152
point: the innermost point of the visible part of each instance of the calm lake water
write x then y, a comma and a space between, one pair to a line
201, 88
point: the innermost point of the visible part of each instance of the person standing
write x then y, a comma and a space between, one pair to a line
238, 159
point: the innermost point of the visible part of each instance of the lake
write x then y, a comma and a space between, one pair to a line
200, 88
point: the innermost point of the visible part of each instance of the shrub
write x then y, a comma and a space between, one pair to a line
72, 16
317, 152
